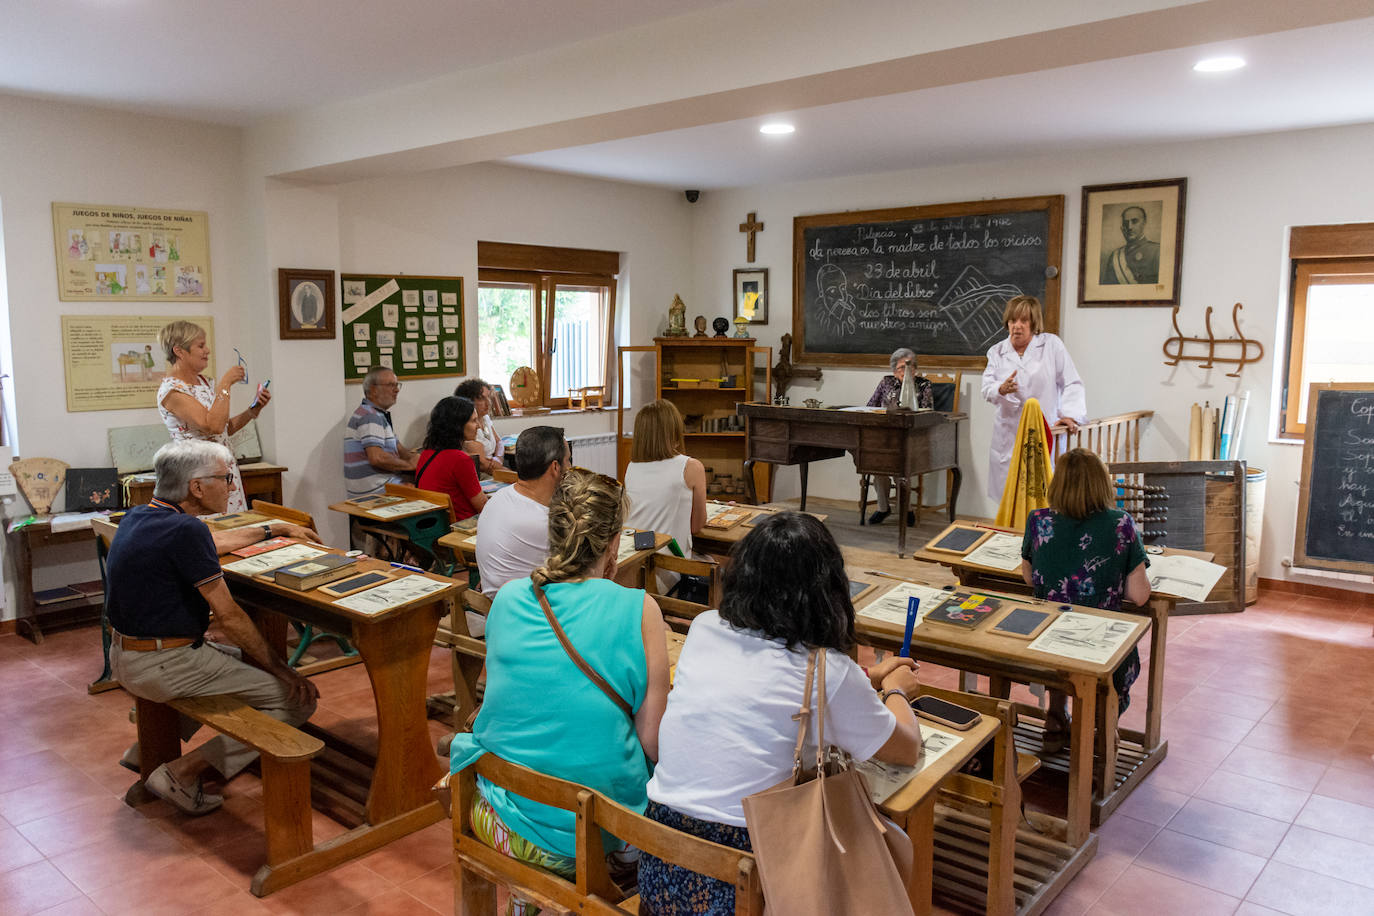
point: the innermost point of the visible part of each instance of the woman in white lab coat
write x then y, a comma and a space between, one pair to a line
1030, 363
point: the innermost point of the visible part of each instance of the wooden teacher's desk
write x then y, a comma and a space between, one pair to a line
899, 445
385, 795
1007, 658
1137, 752
261, 480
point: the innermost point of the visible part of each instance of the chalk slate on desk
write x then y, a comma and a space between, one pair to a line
958, 540
1336, 499
933, 278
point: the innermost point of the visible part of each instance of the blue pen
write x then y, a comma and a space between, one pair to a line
912, 605
408, 566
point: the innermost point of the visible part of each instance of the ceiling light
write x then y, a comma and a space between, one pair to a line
776, 127
1219, 64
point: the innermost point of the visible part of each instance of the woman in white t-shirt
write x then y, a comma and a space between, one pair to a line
728, 731
667, 487
486, 446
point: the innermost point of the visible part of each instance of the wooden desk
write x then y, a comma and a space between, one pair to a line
261, 480
1006, 658
913, 808
395, 647
464, 545
398, 533
1138, 752
721, 540
30, 617
899, 445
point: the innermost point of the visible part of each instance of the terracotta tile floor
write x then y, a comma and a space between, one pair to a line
1265, 803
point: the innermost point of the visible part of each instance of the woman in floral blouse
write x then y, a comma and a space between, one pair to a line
886, 394
1081, 551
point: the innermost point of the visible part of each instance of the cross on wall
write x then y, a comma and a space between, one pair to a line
752, 226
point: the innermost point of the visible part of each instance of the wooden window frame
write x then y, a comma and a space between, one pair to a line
1320, 254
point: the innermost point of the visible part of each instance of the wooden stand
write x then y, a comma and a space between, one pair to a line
78, 610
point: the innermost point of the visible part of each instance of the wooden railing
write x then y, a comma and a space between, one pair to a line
1111, 438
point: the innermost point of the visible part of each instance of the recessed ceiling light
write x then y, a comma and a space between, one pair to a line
776, 127
1219, 64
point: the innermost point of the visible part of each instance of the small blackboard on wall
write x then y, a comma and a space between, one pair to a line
932, 278
1336, 502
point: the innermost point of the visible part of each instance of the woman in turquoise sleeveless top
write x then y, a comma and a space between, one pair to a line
539, 710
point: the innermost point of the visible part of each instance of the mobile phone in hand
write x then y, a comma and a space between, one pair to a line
261, 388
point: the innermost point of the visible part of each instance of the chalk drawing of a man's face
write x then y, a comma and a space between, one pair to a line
837, 311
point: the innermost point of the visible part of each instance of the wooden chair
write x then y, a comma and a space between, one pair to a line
980, 815
306, 633
469, 657
683, 611
479, 868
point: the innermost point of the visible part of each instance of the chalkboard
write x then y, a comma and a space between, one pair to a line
1336, 501
959, 539
412, 325
932, 278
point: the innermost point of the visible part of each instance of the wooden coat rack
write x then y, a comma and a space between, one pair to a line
1212, 343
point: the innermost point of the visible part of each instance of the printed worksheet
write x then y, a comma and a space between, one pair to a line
884, 779
1086, 637
409, 507
714, 508
1183, 577
275, 559
391, 594
890, 606
1001, 551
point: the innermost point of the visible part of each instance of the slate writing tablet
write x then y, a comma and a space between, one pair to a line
959, 539
354, 584
1023, 623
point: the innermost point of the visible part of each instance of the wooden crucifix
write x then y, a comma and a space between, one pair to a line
751, 226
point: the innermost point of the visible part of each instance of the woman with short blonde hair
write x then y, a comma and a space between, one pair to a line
192, 406
666, 486
1082, 550
540, 710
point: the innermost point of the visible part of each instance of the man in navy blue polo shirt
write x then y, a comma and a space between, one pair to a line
163, 579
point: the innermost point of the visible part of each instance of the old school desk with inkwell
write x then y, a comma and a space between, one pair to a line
1138, 752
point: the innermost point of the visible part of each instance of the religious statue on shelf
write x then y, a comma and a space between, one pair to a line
677, 318
700, 324
721, 325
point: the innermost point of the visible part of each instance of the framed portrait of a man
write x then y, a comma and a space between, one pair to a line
305, 303
1132, 243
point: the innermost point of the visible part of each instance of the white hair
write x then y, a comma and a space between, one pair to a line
178, 463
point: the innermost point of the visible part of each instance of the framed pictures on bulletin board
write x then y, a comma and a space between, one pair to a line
411, 325
305, 303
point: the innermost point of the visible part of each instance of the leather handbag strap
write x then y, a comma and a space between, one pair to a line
803, 716
577, 660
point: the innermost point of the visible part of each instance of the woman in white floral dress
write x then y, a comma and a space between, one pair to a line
193, 406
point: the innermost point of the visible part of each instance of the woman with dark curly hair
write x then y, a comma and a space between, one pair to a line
729, 732
442, 465
485, 443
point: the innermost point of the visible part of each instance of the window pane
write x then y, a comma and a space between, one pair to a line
1338, 343
505, 336
579, 339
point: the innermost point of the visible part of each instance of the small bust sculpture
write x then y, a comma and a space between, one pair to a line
721, 325
700, 325
677, 318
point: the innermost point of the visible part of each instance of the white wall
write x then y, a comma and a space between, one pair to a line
1243, 194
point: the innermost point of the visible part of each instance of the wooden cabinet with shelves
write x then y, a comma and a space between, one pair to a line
707, 378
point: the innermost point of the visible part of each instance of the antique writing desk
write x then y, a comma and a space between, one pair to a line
382, 796
261, 480
899, 445
1138, 752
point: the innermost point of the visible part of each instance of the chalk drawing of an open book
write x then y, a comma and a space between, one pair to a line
974, 304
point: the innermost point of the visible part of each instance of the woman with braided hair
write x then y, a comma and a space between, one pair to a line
544, 710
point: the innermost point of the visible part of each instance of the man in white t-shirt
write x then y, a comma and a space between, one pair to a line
513, 536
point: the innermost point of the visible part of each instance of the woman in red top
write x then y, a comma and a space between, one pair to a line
442, 465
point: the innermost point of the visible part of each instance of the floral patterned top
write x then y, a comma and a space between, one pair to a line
890, 389
1082, 561
203, 392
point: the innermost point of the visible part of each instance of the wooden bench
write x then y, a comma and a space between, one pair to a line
478, 868
285, 752
469, 657
678, 613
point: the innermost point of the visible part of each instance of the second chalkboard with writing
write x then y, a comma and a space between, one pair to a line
932, 278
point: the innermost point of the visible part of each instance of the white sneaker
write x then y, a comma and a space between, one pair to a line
190, 799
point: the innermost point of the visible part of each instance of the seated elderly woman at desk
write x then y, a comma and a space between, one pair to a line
540, 710
443, 465
1082, 551
729, 729
886, 394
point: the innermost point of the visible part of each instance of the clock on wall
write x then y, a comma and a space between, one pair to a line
524, 387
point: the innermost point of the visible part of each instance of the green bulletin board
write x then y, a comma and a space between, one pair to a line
412, 325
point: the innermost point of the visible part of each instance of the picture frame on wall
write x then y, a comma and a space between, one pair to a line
1131, 250
305, 304
751, 294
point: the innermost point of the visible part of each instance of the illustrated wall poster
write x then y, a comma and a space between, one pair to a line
117, 253
113, 362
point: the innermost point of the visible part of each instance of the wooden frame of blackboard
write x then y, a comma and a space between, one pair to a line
1301, 557
1053, 205
983, 535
